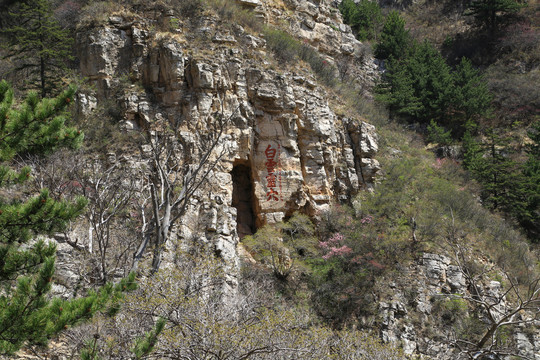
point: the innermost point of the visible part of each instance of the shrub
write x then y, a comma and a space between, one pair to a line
187, 8
283, 247
324, 70
231, 12
515, 95
283, 45
450, 310
97, 12
355, 249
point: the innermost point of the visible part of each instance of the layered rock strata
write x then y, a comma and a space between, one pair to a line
281, 141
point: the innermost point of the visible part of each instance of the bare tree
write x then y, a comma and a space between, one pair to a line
110, 191
517, 304
53, 172
203, 324
179, 166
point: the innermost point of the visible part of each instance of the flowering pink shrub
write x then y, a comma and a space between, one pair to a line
335, 246
438, 163
352, 255
367, 219
333, 241
344, 250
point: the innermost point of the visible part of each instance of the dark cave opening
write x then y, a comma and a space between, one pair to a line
242, 199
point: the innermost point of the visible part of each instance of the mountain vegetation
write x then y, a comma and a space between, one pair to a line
37, 45
28, 315
459, 187
421, 86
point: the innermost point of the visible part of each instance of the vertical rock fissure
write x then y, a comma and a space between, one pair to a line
242, 199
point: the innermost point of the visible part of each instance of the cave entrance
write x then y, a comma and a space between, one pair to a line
242, 199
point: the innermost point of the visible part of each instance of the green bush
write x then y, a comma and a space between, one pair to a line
450, 310
437, 134
355, 249
283, 45
284, 247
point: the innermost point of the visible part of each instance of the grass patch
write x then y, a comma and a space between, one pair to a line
288, 49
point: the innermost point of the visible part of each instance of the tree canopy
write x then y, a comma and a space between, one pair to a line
364, 17
37, 44
394, 40
28, 315
422, 87
490, 14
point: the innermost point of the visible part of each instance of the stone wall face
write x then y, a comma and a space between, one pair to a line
299, 155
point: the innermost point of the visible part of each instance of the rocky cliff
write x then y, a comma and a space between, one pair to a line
281, 146
283, 149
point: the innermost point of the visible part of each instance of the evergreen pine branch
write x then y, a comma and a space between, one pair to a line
144, 345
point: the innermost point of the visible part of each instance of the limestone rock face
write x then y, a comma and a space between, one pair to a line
300, 155
319, 24
433, 279
283, 149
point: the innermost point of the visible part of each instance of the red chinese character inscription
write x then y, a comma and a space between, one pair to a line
272, 181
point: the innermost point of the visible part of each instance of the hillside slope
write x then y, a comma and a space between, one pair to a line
235, 158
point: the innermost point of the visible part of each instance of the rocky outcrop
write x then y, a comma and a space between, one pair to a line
423, 310
281, 141
319, 24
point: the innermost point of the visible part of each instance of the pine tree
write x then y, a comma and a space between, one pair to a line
490, 14
144, 345
364, 17
418, 86
500, 177
397, 90
27, 313
472, 151
348, 11
471, 98
395, 39
529, 216
37, 44
433, 82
